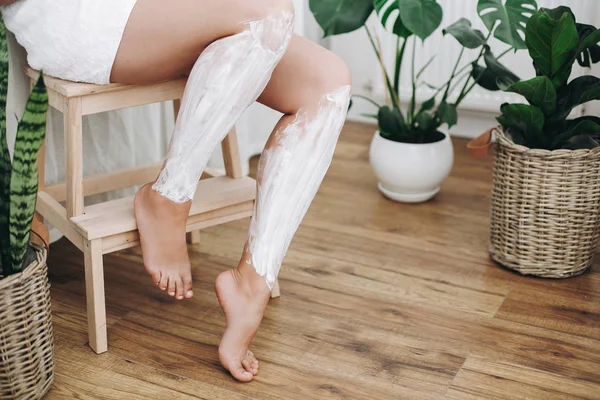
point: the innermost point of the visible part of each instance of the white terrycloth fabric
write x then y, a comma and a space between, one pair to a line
75, 40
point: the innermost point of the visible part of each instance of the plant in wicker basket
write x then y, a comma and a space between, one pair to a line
26, 359
555, 42
545, 214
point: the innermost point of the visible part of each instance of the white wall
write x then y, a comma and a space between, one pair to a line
480, 108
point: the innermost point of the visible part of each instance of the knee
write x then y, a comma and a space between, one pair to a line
275, 22
331, 74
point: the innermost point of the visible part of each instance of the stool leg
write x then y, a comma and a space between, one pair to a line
193, 237
275, 293
94, 293
74, 156
231, 155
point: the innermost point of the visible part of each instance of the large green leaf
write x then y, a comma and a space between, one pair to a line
495, 75
341, 16
579, 91
24, 178
465, 34
525, 119
389, 15
5, 166
422, 17
507, 20
552, 45
538, 91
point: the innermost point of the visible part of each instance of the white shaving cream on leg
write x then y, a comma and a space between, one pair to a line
290, 173
227, 78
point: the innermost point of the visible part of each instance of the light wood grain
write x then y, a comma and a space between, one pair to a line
231, 155
94, 293
74, 156
382, 301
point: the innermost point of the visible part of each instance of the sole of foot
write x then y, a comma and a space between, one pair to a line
161, 224
244, 305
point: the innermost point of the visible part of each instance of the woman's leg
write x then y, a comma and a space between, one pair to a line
311, 86
308, 78
236, 60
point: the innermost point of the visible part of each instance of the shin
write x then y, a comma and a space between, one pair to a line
227, 78
290, 173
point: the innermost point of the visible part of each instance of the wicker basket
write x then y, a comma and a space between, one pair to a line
26, 343
545, 216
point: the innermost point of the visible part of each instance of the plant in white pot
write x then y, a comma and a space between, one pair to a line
411, 153
26, 348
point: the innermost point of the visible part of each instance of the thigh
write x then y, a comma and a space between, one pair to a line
163, 39
305, 74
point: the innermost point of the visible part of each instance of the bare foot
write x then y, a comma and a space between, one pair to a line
161, 224
243, 295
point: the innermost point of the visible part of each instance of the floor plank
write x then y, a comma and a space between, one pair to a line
380, 300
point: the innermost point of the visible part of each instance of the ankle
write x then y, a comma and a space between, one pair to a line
253, 284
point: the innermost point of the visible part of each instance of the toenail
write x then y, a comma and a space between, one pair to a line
180, 297
190, 293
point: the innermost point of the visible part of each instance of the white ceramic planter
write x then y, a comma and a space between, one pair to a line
409, 172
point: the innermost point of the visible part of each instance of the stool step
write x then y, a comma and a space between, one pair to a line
216, 198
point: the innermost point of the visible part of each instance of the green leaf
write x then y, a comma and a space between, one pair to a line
588, 49
507, 20
389, 15
391, 121
422, 17
374, 116
579, 91
583, 141
526, 119
447, 114
425, 122
341, 16
494, 75
466, 36
5, 163
427, 105
24, 178
538, 91
577, 127
552, 45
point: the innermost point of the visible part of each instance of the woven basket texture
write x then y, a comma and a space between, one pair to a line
545, 213
26, 340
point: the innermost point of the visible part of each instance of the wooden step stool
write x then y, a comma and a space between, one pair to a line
110, 226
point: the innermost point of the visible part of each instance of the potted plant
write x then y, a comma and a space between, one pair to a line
411, 153
26, 348
545, 214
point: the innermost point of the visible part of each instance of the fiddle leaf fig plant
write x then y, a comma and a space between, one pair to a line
19, 178
413, 22
555, 42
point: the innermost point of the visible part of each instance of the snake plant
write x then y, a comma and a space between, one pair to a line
19, 179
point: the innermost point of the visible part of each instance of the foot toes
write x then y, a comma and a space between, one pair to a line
171, 286
156, 277
164, 280
187, 286
179, 289
247, 365
239, 373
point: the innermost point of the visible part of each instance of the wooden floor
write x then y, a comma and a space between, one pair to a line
380, 300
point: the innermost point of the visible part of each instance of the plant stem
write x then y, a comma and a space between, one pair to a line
462, 51
360, 96
414, 84
464, 93
385, 75
399, 58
